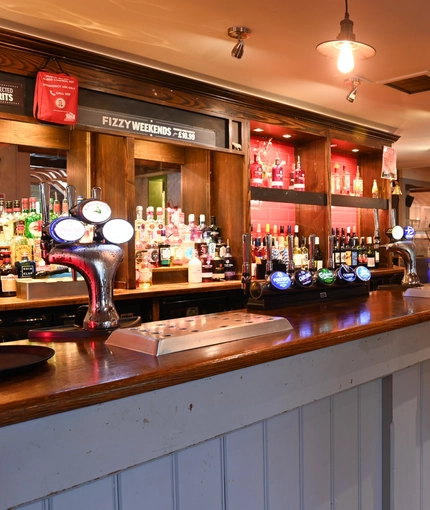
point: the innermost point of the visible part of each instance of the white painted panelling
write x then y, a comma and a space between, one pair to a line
406, 437
199, 477
99, 495
283, 461
40, 505
244, 469
369, 412
148, 486
425, 434
345, 451
316, 459
94, 442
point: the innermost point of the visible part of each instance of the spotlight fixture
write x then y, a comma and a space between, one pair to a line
353, 93
345, 47
239, 33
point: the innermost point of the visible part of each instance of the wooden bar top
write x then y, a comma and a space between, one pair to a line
84, 373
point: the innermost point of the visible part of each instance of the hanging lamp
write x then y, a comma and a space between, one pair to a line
345, 47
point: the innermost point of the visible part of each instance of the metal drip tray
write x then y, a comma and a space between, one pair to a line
174, 335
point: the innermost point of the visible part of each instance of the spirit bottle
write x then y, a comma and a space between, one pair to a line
375, 190
346, 182
277, 175
8, 276
299, 177
143, 270
229, 264
371, 264
19, 244
304, 254
139, 228
25, 268
358, 184
335, 180
194, 269
297, 254
256, 172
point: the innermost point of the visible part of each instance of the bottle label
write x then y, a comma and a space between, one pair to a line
8, 282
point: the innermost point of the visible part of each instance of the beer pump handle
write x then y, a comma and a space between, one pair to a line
312, 252
71, 196
269, 264
246, 265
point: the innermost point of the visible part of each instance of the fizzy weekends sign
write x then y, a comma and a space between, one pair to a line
94, 117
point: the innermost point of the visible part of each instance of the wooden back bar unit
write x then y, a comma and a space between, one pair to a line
214, 178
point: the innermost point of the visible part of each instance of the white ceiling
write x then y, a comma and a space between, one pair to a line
189, 37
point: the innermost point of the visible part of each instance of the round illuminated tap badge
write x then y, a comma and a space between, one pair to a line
409, 233
303, 278
363, 273
95, 211
66, 230
397, 233
280, 280
117, 231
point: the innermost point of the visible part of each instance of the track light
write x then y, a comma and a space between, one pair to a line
345, 48
239, 33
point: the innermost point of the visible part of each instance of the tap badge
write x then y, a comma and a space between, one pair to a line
409, 233
280, 280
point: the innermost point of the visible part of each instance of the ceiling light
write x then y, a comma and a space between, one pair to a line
239, 33
345, 48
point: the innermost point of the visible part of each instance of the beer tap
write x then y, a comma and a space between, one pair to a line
46, 241
269, 263
291, 266
246, 265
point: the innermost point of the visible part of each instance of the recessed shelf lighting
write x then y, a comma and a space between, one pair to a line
258, 130
355, 150
286, 136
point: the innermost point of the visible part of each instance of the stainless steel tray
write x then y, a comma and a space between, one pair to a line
174, 335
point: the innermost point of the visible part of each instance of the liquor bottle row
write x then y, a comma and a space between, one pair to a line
290, 252
275, 176
342, 182
175, 243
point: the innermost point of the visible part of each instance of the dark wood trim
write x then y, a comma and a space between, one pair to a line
23, 55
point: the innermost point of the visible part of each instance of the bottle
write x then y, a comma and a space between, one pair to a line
335, 180
56, 206
151, 247
150, 230
358, 184
159, 222
205, 258
32, 227
354, 253
375, 189
164, 248
371, 264
292, 175
218, 271
64, 207
297, 253
25, 268
8, 276
229, 264
346, 182
318, 257
194, 269
19, 244
277, 175
256, 172
304, 254
143, 270
139, 228
376, 245
299, 177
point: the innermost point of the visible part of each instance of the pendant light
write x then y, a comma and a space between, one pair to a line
345, 48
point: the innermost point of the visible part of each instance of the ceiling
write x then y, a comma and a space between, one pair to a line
280, 62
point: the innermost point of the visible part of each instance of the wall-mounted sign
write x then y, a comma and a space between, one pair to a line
114, 121
11, 93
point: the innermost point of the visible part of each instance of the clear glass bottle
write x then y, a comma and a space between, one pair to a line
304, 254
297, 253
139, 229
194, 269
358, 184
143, 270
375, 189
346, 181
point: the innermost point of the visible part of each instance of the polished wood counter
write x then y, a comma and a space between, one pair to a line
85, 373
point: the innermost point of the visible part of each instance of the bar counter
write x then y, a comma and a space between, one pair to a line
85, 373
335, 412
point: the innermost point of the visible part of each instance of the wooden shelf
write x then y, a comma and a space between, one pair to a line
288, 196
359, 202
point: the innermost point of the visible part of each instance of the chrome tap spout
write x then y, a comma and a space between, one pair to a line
97, 263
407, 250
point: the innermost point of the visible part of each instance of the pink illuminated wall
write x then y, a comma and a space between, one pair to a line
274, 213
